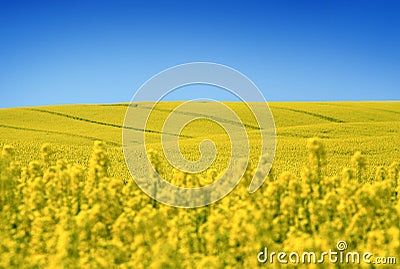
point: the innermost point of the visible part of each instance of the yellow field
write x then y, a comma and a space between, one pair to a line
369, 127
71, 208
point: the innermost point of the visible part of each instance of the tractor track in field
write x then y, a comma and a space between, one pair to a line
372, 108
217, 119
59, 114
92, 138
330, 119
386, 110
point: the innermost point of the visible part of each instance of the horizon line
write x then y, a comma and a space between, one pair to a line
204, 101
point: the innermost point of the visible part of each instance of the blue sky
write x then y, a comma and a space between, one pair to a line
102, 51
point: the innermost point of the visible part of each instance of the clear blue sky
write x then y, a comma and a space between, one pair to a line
102, 51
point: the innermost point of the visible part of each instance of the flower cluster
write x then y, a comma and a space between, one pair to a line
54, 213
